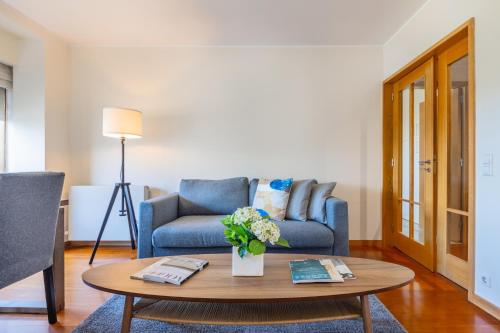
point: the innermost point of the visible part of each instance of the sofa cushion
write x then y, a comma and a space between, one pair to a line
319, 194
305, 235
207, 231
212, 197
252, 188
271, 198
191, 231
299, 199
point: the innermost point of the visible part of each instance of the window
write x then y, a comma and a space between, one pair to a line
5, 89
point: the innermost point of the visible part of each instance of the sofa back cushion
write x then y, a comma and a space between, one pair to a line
212, 197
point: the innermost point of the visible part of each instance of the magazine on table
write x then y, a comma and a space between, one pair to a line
342, 268
173, 270
319, 270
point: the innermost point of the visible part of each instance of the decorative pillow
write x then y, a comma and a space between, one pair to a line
319, 194
271, 197
252, 188
299, 199
212, 197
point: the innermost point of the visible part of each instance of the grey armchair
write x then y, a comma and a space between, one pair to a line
29, 204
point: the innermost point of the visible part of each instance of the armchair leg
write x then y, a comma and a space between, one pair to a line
48, 280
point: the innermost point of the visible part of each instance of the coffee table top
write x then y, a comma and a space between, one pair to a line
215, 283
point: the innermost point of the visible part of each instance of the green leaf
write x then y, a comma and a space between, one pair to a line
227, 221
282, 242
240, 230
256, 247
237, 235
243, 238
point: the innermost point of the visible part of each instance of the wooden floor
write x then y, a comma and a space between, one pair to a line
429, 304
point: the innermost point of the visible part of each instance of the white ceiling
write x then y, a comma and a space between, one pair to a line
221, 22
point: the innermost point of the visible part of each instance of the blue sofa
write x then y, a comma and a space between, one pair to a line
188, 222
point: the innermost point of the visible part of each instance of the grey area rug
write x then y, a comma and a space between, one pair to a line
107, 319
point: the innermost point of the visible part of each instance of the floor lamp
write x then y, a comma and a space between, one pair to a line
122, 124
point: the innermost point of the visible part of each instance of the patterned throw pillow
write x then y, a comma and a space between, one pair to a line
271, 197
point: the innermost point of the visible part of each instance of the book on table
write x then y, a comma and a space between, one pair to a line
173, 270
320, 270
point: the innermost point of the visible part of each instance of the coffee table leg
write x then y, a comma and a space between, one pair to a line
367, 317
127, 314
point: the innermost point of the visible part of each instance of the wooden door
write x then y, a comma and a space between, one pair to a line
414, 164
454, 146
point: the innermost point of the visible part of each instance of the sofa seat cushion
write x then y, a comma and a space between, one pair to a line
310, 234
207, 231
191, 231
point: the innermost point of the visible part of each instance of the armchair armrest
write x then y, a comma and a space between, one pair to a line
152, 214
337, 220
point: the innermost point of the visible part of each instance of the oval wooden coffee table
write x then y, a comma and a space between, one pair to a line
213, 296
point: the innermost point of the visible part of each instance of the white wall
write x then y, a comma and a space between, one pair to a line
436, 19
57, 82
38, 137
9, 47
216, 112
25, 132
26, 120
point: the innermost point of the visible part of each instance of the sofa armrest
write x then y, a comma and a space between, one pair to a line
152, 214
337, 220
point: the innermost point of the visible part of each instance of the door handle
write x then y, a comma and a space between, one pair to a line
426, 165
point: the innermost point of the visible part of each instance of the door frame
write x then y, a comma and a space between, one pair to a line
466, 30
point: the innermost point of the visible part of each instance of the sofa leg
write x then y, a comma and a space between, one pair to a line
48, 280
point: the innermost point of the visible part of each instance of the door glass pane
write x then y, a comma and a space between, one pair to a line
419, 169
418, 113
405, 144
418, 225
457, 233
458, 135
405, 218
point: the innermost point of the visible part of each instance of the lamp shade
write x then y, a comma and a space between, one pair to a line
121, 123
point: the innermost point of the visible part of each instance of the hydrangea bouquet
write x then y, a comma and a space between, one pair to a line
249, 231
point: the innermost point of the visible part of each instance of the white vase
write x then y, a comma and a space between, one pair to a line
249, 265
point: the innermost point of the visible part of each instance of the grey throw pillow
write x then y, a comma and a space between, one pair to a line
299, 199
252, 188
319, 194
212, 197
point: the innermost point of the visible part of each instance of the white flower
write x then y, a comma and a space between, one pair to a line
246, 214
266, 230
